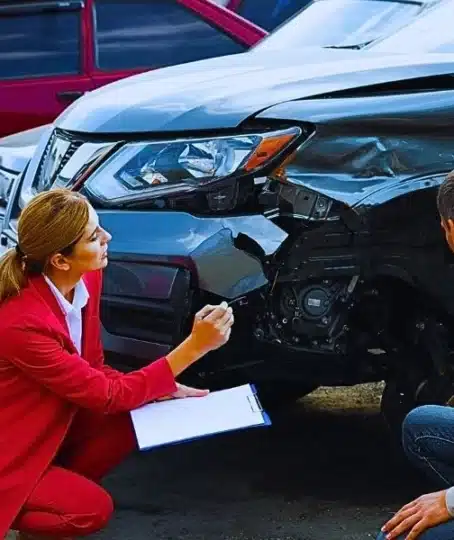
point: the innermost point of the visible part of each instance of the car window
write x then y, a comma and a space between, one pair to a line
432, 32
155, 33
341, 23
269, 13
36, 42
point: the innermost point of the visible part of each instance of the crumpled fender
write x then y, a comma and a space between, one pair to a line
367, 150
205, 245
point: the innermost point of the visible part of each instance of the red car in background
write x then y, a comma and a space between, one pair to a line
52, 52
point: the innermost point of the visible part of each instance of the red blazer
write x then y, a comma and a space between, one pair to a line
44, 381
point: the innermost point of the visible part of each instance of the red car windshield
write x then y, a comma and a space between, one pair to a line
269, 14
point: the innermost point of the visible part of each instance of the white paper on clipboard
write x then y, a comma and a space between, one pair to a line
178, 420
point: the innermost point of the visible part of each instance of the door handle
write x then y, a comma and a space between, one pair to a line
69, 96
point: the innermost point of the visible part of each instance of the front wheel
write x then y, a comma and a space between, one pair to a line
401, 395
277, 395
422, 370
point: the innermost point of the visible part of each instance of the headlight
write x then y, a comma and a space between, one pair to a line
141, 171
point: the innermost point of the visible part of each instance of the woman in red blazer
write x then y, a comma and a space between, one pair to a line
64, 414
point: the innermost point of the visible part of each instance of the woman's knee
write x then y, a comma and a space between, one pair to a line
104, 512
96, 516
87, 508
92, 515
81, 509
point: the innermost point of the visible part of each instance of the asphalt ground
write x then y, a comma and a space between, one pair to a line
326, 469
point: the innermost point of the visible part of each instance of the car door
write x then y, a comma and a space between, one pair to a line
42, 68
134, 36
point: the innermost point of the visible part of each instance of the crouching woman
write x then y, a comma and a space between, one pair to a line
64, 414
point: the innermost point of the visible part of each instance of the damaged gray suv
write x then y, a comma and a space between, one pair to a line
301, 187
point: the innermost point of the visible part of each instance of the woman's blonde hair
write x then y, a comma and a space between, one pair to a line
52, 222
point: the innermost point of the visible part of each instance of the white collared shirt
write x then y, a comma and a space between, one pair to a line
72, 311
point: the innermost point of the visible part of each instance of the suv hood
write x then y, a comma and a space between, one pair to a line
223, 92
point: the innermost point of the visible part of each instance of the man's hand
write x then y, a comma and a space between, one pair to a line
421, 514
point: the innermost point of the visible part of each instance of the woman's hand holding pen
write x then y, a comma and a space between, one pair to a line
211, 329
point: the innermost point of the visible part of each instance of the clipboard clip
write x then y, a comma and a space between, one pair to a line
255, 404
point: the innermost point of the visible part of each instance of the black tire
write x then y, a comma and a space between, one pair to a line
422, 372
394, 407
279, 395
399, 398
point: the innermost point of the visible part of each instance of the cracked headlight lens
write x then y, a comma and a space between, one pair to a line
139, 171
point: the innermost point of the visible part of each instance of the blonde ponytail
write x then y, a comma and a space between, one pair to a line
12, 274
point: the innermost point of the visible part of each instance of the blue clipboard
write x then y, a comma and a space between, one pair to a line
256, 407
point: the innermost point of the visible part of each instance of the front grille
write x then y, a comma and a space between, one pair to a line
66, 158
39, 170
69, 154
59, 150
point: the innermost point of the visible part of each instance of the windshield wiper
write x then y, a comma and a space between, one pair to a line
352, 47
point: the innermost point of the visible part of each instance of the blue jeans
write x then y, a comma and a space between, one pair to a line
428, 441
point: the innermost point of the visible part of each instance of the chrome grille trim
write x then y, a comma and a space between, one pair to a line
81, 162
44, 157
58, 152
65, 158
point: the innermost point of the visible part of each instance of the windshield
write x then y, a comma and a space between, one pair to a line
269, 13
433, 32
340, 23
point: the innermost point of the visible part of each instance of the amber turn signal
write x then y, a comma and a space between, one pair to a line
268, 148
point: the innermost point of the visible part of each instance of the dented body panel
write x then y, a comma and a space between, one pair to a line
364, 145
201, 245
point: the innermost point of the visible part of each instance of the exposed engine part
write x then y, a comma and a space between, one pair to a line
280, 199
312, 315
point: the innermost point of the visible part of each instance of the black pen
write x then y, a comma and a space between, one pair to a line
241, 301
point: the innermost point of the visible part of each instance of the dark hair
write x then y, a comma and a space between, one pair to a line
445, 197
52, 222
